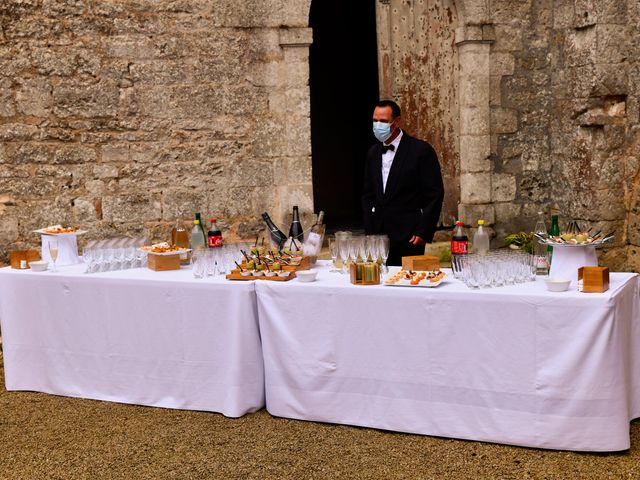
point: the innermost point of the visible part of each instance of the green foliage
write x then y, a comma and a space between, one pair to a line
521, 240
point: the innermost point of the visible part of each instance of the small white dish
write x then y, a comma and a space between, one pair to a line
306, 275
284, 273
39, 265
557, 284
258, 273
245, 273
270, 274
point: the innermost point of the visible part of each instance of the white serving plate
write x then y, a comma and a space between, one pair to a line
68, 234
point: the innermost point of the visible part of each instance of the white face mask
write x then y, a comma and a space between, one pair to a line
381, 130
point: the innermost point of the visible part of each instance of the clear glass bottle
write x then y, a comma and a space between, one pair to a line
540, 250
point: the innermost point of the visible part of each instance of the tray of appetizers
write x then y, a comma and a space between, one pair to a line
415, 278
574, 240
59, 230
164, 249
280, 276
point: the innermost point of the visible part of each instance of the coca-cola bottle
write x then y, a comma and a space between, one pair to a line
214, 235
277, 237
459, 248
295, 230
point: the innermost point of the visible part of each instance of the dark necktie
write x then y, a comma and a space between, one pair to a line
388, 147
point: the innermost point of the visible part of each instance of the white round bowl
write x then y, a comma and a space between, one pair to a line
39, 265
306, 275
283, 273
557, 284
245, 273
270, 274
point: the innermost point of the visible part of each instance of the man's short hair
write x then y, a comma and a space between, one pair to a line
395, 108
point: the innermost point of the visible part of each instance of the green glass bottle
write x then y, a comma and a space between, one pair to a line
554, 231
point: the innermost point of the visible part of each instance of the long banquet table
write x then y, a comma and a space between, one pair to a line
515, 365
136, 336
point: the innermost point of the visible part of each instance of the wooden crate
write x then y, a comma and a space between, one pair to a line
421, 262
17, 256
161, 263
364, 273
593, 279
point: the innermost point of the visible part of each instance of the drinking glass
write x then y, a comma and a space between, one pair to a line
344, 245
383, 246
53, 252
333, 251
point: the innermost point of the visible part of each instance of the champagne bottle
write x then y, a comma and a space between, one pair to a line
295, 230
276, 234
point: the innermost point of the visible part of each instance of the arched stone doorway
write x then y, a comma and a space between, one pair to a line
343, 83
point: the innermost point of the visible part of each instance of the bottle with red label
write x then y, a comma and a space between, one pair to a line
459, 248
214, 235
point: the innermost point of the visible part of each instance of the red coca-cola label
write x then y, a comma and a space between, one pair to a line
459, 246
214, 241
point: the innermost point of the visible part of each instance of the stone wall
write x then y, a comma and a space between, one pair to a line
121, 116
565, 86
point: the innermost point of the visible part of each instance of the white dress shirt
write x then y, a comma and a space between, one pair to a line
387, 160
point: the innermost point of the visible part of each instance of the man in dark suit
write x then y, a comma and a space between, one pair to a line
403, 188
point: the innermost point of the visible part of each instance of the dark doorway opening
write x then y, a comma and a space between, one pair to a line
344, 88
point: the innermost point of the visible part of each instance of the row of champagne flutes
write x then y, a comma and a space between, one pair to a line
353, 248
495, 269
114, 254
217, 261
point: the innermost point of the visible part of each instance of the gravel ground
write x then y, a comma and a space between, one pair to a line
48, 437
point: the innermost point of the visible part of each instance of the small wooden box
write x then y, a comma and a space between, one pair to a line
161, 263
365, 273
421, 262
593, 279
17, 256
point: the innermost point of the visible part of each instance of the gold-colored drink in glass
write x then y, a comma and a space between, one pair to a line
53, 252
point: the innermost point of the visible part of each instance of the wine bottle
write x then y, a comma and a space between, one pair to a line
276, 234
295, 230
313, 244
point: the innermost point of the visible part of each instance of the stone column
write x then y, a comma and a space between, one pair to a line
293, 168
474, 44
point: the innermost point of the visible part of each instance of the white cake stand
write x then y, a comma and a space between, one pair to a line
567, 259
67, 247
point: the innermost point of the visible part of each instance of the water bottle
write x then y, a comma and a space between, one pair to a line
481, 240
540, 250
197, 237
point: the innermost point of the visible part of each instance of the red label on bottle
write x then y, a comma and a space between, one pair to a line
459, 247
214, 241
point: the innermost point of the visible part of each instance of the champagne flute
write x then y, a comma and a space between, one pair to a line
53, 252
343, 248
333, 250
384, 250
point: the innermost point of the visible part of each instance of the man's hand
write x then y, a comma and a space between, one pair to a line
416, 240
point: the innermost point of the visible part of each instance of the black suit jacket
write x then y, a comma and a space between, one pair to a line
412, 201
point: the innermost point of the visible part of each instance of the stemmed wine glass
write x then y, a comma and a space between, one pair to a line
53, 252
333, 251
344, 245
383, 250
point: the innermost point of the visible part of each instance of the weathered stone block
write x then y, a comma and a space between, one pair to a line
503, 187
86, 100
613, 43
581, 47
475, 153
103, 171
124, 208
475, 188
474, 121
27, 153
74, 154
504, 120
470, 214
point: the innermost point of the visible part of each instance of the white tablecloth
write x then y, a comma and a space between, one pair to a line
516, 365
135, 336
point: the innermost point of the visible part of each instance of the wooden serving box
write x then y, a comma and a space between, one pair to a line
235, 275
16, 257
365, 273
161, 263
421, 262
593, 279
